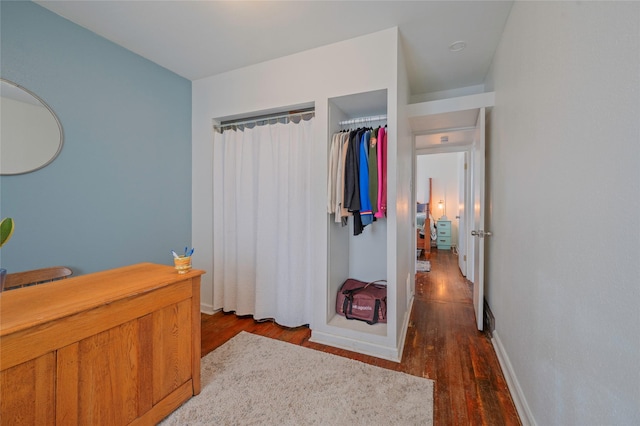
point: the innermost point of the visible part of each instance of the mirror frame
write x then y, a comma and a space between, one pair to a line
55, 116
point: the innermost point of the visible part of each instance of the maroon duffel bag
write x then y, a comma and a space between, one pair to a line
362, 301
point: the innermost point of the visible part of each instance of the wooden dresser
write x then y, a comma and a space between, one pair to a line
115, 347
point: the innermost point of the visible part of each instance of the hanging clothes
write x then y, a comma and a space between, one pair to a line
356, 180
373, 171
352, 168
353, 180
341, 213
382, 173
332, 176
366, 214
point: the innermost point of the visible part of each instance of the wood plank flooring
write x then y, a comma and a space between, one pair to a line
442, 344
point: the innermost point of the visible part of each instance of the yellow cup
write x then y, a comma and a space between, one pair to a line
183, 264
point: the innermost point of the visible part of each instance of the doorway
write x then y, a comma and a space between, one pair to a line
458, 125
449, 198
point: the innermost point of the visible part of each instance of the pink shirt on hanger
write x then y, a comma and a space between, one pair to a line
382, 173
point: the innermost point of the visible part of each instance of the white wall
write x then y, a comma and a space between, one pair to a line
564, 177
310, 77
404, 231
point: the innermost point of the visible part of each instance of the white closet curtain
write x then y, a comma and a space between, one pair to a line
261, 226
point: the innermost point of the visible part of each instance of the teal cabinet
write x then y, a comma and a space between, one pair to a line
444, 234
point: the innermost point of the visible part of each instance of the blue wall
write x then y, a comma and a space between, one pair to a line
120, 191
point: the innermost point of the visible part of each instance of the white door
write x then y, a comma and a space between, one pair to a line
478, 233
462, 221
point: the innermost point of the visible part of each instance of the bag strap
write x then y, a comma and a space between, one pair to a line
359, 289
375, 282
347, 307
376, 311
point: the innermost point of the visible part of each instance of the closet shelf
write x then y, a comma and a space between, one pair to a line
361, 120
379, 329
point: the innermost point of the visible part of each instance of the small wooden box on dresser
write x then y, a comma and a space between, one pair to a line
115, 347
444, 234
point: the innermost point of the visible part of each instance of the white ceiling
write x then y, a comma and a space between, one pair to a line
197, 39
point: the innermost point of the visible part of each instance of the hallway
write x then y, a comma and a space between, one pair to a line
444, 345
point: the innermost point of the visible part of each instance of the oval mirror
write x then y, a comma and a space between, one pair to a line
31, 135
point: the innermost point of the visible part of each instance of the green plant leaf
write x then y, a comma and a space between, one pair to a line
6, 230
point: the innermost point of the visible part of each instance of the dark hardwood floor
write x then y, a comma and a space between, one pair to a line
442, 344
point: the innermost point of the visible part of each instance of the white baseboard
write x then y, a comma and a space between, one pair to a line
342, 333
207, 309
526, 416
405, 328
355, 345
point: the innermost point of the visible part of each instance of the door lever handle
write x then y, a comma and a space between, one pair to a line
481, 233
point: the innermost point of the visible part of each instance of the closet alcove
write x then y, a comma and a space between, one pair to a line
363, 257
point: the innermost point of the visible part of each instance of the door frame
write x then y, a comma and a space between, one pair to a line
448, 115
463, 238
465, 148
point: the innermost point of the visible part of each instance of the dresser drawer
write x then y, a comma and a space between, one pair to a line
444, 228
444, 232
444, 241
444, 225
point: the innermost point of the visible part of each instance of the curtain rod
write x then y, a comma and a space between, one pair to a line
363, 120
260, 118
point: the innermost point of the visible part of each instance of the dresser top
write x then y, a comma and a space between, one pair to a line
26, 307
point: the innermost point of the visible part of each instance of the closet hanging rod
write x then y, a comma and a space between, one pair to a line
261, 118
363, 120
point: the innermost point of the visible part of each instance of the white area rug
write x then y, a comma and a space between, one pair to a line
254, 380
423, 266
